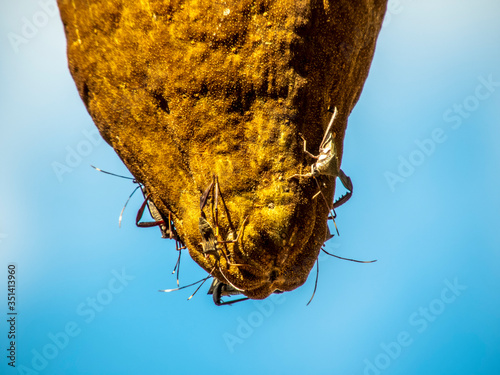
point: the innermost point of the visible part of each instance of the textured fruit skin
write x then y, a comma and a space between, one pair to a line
184, 90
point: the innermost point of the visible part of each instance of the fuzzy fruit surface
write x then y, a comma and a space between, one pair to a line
185, 90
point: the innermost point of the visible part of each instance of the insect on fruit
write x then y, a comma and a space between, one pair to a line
167, 231
227, 93
159, 220
327, 164
217, 289
210, 237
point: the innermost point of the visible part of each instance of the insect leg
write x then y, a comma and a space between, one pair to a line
235, 240
204, 198
125, 205
310, 174
114, 174
229, 239
351, 260
192, 295
209, 242
331, 209
146, 224
225, 208
305, 148
346, 181
185, 286
219, 289
315, 283
328, 131
216, 205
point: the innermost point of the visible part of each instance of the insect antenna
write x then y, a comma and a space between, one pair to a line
177, 266
186, 286
125, 205
351, 260
171, 230
113, 174
130, 196
315, 283
205, 279
332, 210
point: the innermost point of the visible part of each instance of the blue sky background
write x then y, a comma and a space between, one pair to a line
429, 305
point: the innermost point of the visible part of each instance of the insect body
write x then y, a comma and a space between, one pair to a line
210, 242
327, 159
167, 230
208, 233
327, 164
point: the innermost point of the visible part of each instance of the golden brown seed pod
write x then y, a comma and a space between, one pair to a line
185, 90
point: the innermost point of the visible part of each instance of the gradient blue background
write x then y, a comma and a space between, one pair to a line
439, 226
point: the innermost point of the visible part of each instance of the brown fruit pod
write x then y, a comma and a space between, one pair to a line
188, 90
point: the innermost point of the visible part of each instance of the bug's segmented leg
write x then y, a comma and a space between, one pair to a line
346, 181
350, 260
166, 231
305, 148
298, 175
146, 224
315, 283
235, 240
219, 289
204, 198
310, 174
202, 281
210, 235
209, 242
331, 209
